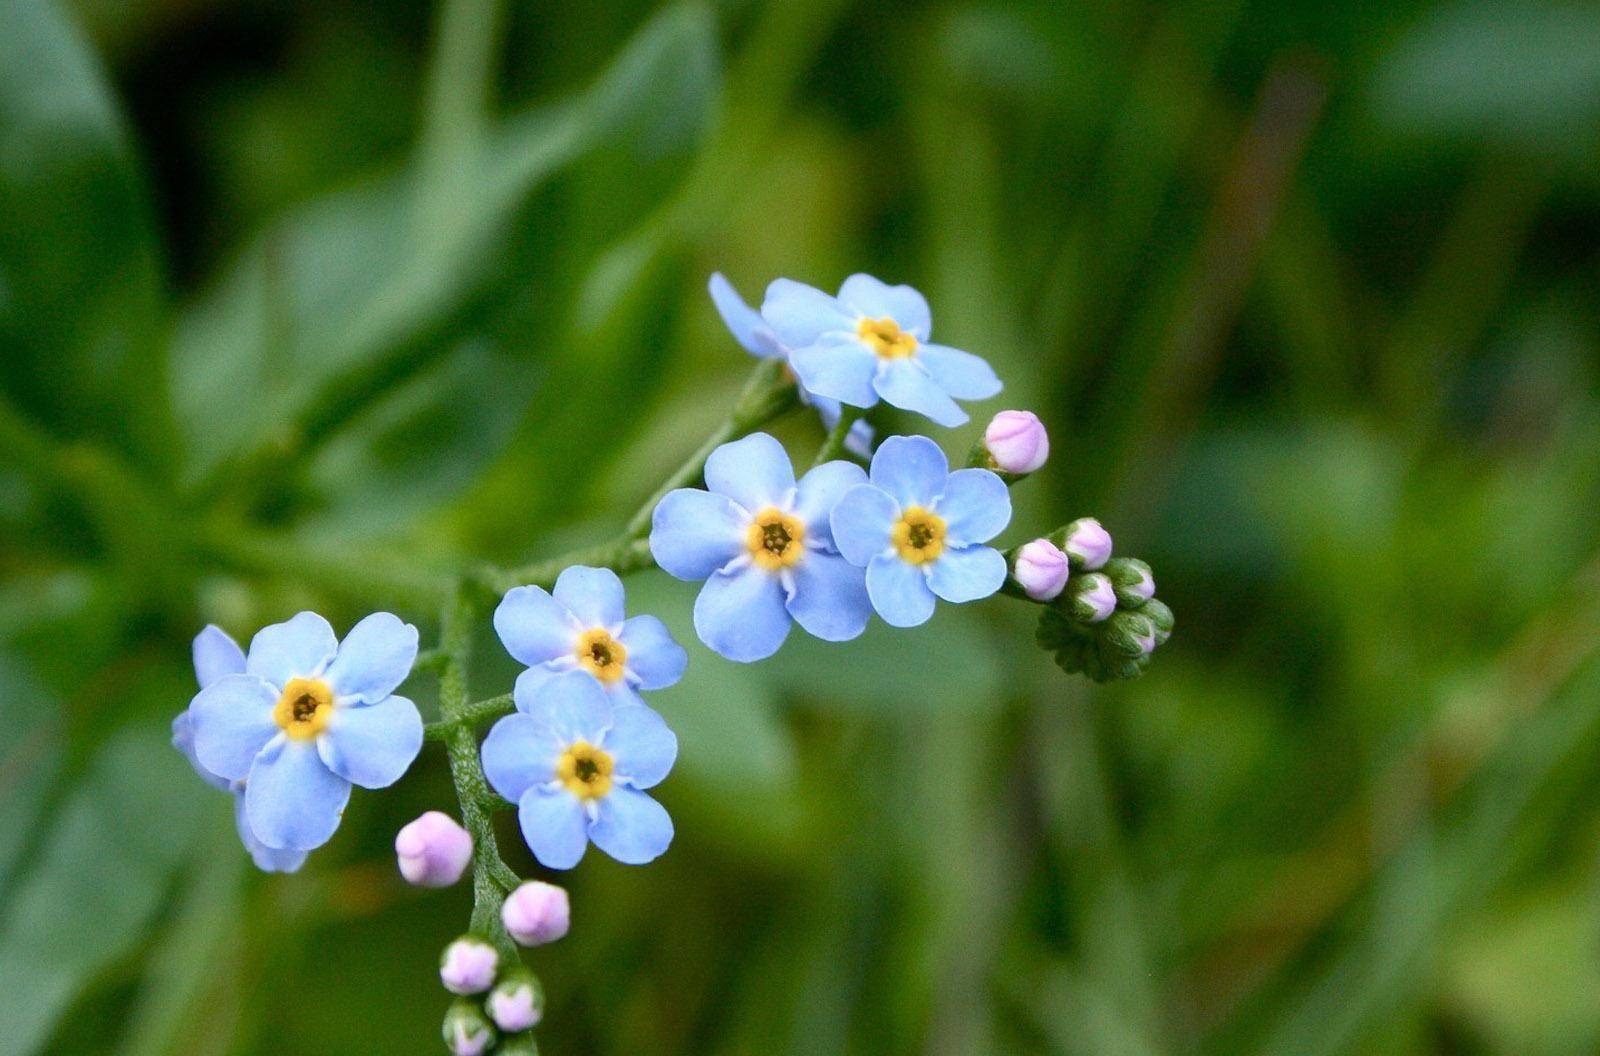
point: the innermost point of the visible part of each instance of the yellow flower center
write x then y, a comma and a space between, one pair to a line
305, 708
774, 538
918, 535
600, 654
885, 337
585, 770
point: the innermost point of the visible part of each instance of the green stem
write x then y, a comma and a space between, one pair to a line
471, 716
833, 444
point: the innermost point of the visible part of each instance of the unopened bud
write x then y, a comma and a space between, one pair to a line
1155, 610
466, 1031
1131, 634
1041, 569
516, 1002
468, 966
1093, 597
433, 850
521, 1045
536, 913
1087, 543
1017, 442
1133, 581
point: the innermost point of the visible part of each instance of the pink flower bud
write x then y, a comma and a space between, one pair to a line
468, 966
433, 850
466, 1032
516, 1003
536, 913
1088, 544
1017, 441
1094, 598
1041, 569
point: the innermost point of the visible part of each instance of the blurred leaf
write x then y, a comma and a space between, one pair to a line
80, 285
30, 738
100, 876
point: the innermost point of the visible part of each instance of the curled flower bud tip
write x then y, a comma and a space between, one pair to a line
1087, 543
1093, 598
433, 850
468, 966
466, 1032
1041, 569
536, 913
1017, 441
516, 1002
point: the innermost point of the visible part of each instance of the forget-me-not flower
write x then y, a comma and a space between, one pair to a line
582, 625
576, 767
918, 530
757, 338
871, 341
216, 654
308, 717
763, 545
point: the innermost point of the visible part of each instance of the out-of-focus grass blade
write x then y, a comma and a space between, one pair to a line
29, 760
80, 277
100, 876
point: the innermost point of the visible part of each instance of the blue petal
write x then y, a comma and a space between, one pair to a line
841, 370
183, 740
553, 824
753, 472
745, 323
865, 295
904, 384
693, 533
215, 654
533, 626
632, 827
967, 573
374, 658
653, 655
267, 859
899, 591
740, 614
976, 506
961, 374
294, 801
520, 753
594, 595
912, 469
570, 704
643, 745
819, 491
830, 597
372, 745
861, 521
232, 722
300, 647
799, 314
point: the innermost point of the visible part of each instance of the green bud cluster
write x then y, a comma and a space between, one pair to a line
1106, 642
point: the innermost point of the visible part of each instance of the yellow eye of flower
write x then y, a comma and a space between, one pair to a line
305, 708
775, 539
885, 337
918, 535
600, 654
585, 770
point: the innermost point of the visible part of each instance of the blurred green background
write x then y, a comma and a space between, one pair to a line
304, 302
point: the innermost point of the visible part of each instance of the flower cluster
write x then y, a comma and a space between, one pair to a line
891, 530
1102, 618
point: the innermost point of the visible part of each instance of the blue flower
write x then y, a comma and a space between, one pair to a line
871, 341
216, 655
752, 332
576, 767
581, 626
764, 547
306, 718
917, 530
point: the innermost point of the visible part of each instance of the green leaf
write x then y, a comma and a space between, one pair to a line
30, 749
100, 877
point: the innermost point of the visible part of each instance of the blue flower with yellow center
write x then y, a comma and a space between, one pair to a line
576, 767
307, 717
918, 530
216, 655
764, 547
757, 338
871, 342
582, 625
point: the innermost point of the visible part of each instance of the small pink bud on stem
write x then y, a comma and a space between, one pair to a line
536, 913
1017, 442
1041, 569
433, 850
